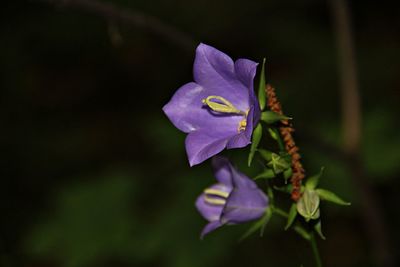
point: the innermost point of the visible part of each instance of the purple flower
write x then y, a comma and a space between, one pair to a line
219, 109
234, 199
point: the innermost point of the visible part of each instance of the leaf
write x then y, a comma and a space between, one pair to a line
255, 140
302, 232
287, 174
285, 189
292, 216
312, 182
308, 205
262, 98
332, 197
260, 224
317, 228
265, 154
270, 194
270, 117
267, 174
274, 132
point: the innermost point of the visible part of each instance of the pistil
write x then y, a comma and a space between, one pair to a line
221, 105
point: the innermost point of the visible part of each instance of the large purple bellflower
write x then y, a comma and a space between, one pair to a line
219, 109
234, 199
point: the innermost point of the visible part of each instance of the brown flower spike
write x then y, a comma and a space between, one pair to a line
286, 130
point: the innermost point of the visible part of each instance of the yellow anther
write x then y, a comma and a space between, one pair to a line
242, 125
220, 104
216, 192
214, 201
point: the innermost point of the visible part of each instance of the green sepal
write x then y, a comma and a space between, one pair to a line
266, 174
261, 87
260, 224
312, 182
274, 132
255, 140
287, 174
270, 117
302, 232
291, 216
278, 164
331, 197
308, 205
265, 154
270, 194
317, 228
285, 189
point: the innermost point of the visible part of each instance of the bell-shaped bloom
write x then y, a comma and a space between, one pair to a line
219, 109
234, 199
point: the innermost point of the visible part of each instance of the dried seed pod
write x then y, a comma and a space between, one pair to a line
286, 131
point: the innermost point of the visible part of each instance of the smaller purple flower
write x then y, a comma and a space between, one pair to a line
219, 109
234, 199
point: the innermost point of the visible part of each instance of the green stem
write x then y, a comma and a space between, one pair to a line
296, 227
314, 247
309, 236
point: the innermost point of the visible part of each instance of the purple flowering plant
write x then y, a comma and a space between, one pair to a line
219, 110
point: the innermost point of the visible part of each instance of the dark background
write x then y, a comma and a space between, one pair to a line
94, 174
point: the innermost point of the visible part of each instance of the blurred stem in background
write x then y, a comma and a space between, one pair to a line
351, 123
133, 18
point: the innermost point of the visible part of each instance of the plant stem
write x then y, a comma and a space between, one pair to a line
314, 247
309, 236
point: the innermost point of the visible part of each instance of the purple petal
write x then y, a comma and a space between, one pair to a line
188, 113
244, 204
243, 138
200, 145
240, 180
246, 71
210, 227
222, 170
215, 71
211, 212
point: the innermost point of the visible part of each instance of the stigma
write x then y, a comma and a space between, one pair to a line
222, 105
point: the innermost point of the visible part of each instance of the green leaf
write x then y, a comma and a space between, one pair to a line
255, 140
262, 98
292, 216
266, 174
287, 174
308, 205
270, 117
265, 154
270, 194
312, 182
285, 189
274, 132
317, 228
260, 224
332, 197
302, 232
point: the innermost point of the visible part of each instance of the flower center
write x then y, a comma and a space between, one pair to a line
222, 105
215, 196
